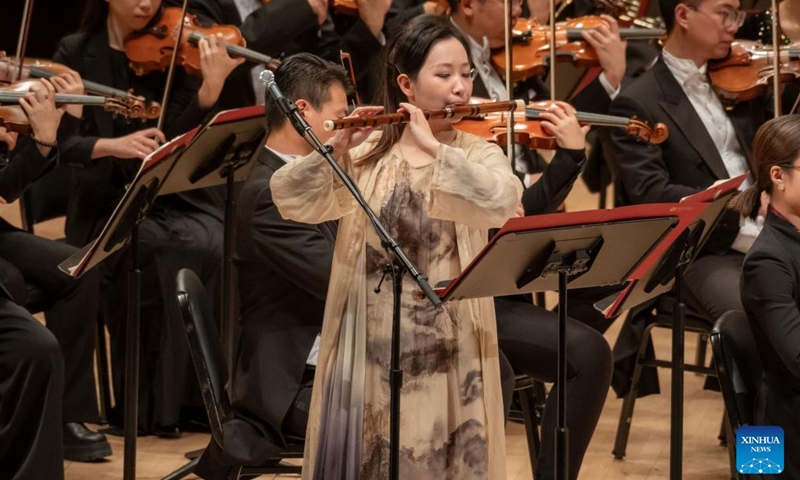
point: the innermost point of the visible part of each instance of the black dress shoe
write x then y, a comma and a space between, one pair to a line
167, 431
84, 445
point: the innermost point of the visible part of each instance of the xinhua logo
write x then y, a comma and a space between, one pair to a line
759, 450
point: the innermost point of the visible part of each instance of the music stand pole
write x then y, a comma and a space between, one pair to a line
676, 405
131, 424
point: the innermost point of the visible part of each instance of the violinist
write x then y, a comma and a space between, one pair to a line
280, 28
707, 143
182, 230
70, 314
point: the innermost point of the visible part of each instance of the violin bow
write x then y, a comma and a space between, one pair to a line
22, 42
171, 70
776, 59
552, 69
510, 150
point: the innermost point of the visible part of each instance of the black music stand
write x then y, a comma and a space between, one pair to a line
122, 230
662, 271
223, 153
561, 251
199, 158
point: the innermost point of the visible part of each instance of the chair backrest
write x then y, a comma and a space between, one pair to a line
205, 348
738, 366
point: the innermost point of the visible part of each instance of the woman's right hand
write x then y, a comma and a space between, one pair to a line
136, 145
560, 121
347, 138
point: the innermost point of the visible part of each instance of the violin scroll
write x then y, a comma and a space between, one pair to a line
641, 130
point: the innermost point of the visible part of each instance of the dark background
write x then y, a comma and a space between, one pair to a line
51, 20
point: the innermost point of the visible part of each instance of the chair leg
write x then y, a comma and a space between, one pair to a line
626, 414
735, 475
526, 397
184, 471
101, 355
702, 346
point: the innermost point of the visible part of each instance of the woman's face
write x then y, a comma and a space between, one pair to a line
790, 179
444, 79
133, 14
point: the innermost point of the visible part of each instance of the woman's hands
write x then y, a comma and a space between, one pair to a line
560, 122
136, 145
43, 115
9, 138
70, 83
418, 130
347, 138
216, 65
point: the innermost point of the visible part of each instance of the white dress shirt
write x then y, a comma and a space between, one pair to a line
695, 84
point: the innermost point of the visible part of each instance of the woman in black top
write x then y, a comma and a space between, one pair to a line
770, 284
181, 231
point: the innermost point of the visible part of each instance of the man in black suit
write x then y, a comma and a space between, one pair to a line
708, 142
71, 305
280, 28
283, 271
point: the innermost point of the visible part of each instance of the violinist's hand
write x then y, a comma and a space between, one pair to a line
373, 14
136, 145
320, 8
347, 138
419, 129
70, 83
9, 138
610, 49
40, 107
559, 120
434, 7
216, 65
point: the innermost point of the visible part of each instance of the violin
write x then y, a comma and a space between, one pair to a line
136, 106
531, 45
528, 130
350, 7
151, 49
13, 118
747, 71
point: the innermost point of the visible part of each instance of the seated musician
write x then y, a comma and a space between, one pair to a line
283, 268
706, 143
72, 305
182, 230
280, 28
771, 278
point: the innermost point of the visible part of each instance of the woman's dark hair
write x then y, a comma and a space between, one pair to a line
777, 143
305, 76
94, 16
406, 52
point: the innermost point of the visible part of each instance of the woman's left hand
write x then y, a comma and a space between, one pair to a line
9, 138
70, 83
216, 65
559, 120
419, 129
40, 107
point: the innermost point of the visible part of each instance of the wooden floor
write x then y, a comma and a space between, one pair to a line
648, 448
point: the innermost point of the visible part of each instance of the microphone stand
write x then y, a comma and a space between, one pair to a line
396, 268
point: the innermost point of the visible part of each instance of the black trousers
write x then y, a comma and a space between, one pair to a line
71, 313
169, 240
528, 339
31, 384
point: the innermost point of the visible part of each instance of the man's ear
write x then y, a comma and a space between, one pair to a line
468, 7
302, 106
405, 84
682, 15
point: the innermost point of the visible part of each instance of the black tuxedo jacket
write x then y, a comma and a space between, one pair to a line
283, 269
280, 28
688, 161
97, 185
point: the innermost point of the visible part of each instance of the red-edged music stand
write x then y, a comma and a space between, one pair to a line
219, 152
570, 250
664, 269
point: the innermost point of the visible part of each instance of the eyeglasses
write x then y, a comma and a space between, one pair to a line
729, 17
789, 166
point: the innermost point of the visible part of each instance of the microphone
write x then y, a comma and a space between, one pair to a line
286, 106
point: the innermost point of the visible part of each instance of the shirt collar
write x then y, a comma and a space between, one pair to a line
683, 69
283, 156
480, 53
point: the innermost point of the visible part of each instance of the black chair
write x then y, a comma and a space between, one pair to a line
212, 374
739, 370
661, 319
